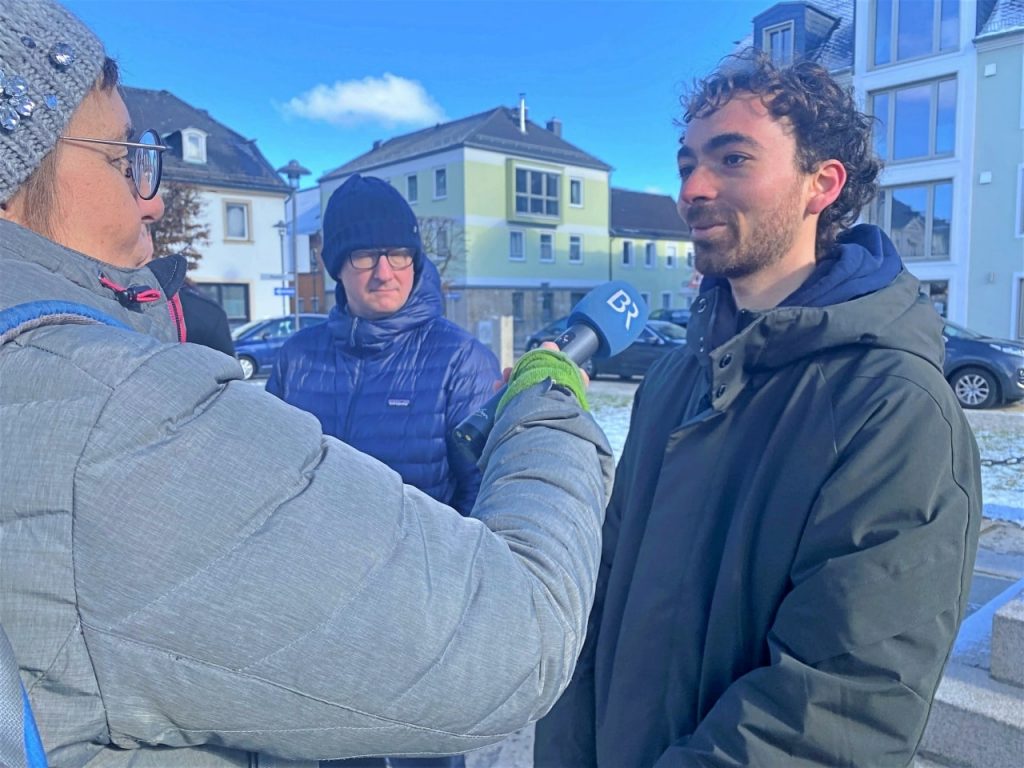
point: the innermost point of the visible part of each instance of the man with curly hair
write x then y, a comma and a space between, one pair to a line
790, 540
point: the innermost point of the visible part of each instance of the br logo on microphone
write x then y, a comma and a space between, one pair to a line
621, 302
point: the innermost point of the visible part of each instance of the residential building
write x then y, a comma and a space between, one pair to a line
516, 217
651, 249
242, 195
945, 81
996, 290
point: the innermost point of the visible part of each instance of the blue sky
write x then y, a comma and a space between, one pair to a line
319, 81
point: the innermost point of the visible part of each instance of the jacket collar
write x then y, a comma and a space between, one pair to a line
84, 272
369, 336
733, 347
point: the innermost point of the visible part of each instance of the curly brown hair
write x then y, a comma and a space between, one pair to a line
826, 125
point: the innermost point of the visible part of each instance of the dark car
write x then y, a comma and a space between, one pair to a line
677, 316
983, 371
656, 339
257, 343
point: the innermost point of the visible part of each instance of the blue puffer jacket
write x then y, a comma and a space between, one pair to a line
394, 388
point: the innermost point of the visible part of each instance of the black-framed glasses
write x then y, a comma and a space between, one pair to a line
145, 160
365, 259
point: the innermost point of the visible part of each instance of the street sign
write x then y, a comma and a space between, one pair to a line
272, 276
284, 291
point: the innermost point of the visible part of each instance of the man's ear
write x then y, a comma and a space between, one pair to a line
826, 184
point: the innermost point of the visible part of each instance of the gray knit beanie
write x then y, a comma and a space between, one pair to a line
49, 61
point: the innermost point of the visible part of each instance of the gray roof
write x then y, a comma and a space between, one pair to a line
836, 54
231, 160
496, 130
642, 214
1006, 16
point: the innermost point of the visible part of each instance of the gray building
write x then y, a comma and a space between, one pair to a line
945, 79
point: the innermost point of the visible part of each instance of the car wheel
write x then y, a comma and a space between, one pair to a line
532, 345
248, 366
975, 388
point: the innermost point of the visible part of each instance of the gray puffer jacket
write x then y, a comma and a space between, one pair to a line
191, 574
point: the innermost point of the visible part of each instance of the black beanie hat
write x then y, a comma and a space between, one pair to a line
367, 212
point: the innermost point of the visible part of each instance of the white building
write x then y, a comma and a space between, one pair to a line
243, 199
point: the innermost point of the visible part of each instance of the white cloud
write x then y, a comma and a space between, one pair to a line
654, 191
390, 100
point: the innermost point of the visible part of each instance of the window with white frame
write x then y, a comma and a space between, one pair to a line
575, 249
516, 246
576, 193
440, 183
547, 248
193, 146
917, 219
442, 241
627, 253
914, 29
778, 43
236, 220
670, 257
689, 255
650, 255
537, 192
915, 122
412, 188
666, 299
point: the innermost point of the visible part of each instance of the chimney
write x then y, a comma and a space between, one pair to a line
522, 113
377, 143
555, 126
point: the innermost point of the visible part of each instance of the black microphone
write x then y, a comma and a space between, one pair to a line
602, 324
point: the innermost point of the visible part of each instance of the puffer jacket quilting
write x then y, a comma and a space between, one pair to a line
394, 388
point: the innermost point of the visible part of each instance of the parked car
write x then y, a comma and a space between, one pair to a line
677, 316
257, 343
983, 371
657, 338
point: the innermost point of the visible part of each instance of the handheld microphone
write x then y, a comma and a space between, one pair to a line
602, 324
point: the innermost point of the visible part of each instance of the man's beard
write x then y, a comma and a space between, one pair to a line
728, 254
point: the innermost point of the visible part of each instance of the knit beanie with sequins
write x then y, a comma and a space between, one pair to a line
49, 61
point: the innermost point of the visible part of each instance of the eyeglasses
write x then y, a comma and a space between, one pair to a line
367, 258
145, 160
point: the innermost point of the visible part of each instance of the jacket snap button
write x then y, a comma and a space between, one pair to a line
702, 304
720, 391
726, 359
700, 344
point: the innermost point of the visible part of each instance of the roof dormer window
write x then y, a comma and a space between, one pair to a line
193, 146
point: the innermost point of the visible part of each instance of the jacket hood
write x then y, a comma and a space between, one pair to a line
424, 304
864, 260
859, 295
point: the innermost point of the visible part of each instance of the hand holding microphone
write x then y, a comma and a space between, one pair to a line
602, 324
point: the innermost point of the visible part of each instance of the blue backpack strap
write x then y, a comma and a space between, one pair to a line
33, 314
20, 745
